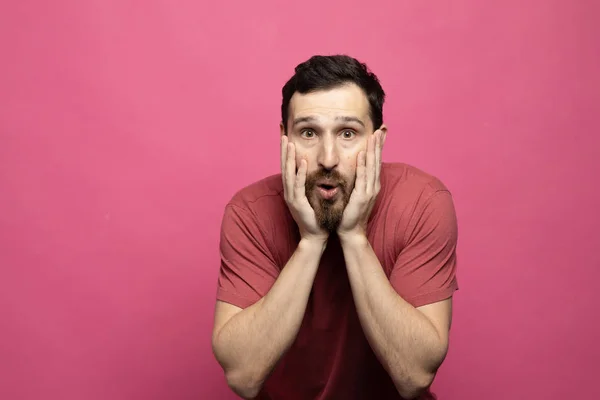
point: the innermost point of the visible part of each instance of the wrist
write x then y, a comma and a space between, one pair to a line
313, 243
353, 238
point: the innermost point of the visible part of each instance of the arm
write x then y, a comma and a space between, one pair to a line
248, 343
410, 342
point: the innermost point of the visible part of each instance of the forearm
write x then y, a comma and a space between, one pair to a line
404, 340
251, 343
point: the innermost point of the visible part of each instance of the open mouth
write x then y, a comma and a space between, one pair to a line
327, 187
328, 191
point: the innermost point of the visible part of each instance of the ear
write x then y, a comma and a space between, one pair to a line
383, 130
282, 129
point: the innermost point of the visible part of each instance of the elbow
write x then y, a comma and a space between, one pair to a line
414, 387
244, 381
243, 384
420, 380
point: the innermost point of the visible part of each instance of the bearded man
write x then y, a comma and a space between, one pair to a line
337, 275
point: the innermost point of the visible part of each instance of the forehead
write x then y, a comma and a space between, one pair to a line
326, 105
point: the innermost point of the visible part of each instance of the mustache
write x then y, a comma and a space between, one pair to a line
322, 174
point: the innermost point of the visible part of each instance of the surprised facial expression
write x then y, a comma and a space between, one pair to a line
329, 128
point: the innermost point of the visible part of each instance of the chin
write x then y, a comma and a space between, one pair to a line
328, 212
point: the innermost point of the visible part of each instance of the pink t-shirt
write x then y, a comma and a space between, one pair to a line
413, 231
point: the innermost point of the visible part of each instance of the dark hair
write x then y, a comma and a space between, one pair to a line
327, 72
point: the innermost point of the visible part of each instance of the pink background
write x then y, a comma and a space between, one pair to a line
125, 126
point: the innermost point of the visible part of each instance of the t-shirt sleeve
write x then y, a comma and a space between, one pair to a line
248, 269
425, 270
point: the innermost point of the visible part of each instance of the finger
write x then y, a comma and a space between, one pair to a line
370, 184
361, 172
283, 146
290, 170
299, 188
378, 149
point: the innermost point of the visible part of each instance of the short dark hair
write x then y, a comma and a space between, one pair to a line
326, 72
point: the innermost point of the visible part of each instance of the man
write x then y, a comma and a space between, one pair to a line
336, 275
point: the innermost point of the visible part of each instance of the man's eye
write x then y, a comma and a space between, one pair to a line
348, 134
308, 133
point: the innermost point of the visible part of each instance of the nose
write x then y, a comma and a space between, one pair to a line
328, 157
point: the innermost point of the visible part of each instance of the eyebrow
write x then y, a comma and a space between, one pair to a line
340, 118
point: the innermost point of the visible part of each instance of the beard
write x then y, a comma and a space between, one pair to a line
328, 212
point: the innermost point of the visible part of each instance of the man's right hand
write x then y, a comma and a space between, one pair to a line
295, 193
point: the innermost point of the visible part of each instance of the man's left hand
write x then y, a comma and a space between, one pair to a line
366, 188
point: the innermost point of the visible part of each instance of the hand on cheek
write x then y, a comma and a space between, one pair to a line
366, 188
293, 172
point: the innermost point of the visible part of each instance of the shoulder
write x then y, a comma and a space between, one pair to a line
261, 204
259, 211
259, 195
413, 197
408, 181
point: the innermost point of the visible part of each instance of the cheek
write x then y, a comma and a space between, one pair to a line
350, 164
349, 170
310, 161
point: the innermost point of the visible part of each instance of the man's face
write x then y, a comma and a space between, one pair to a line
329, 128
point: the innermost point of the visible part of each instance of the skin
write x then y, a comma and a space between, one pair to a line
325, 138
328, 134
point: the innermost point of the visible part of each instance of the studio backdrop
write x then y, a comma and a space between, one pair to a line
126, 126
